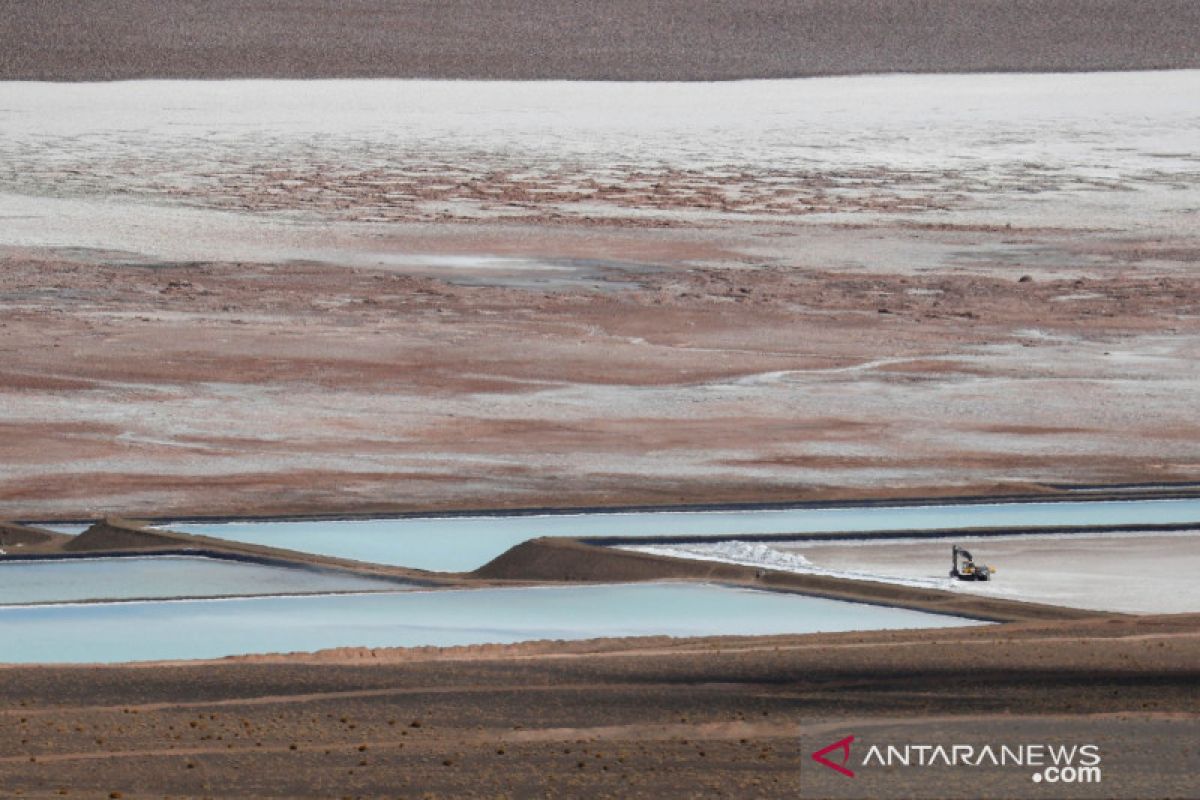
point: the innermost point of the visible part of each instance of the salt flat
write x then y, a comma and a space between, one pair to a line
128, 164
300, 295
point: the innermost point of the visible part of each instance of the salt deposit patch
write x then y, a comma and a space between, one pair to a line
1140, 573
131, 165
758, 554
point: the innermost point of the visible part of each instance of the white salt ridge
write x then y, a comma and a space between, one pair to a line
758, 554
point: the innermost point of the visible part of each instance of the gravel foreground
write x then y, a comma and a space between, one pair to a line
641, 718
576, 39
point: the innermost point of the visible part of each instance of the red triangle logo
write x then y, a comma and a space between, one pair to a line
844, 746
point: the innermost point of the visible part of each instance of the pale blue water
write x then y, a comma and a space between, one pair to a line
464, 543
142, 631
164, 576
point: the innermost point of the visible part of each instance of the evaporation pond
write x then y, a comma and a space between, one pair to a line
214, 628
455, 544
65, 580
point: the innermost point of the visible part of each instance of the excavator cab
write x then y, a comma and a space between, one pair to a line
964, 568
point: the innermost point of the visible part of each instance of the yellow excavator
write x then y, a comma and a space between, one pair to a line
964, 568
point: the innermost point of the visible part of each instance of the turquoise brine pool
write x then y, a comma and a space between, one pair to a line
65, 580
146, 631
455, 544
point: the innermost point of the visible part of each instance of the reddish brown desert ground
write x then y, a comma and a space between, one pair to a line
221, 388
575, 39
720, 718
